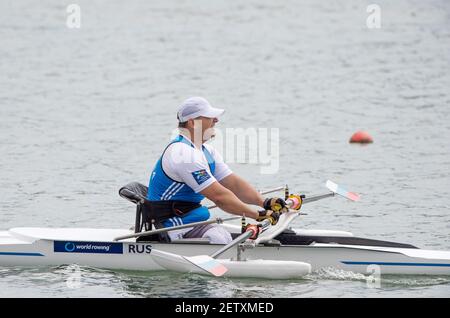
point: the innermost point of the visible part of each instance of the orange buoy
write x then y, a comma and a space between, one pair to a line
361, 137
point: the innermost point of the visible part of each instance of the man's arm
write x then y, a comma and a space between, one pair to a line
228, 201
243, 190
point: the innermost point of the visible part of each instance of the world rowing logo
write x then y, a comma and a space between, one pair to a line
69, 247
87, 247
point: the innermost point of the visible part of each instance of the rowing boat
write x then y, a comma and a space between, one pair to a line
278, 252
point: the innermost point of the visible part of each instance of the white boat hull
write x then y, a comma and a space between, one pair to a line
94, 247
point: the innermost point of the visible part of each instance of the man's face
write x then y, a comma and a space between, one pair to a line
207, 126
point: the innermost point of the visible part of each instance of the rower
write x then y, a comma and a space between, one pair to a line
190, 170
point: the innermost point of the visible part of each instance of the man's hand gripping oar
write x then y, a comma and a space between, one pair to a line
274, 208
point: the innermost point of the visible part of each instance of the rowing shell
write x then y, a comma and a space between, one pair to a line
277, 253
320, 249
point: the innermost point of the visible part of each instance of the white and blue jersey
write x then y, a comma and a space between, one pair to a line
181, 173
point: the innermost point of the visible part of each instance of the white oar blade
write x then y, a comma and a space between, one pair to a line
207, 263
333, 187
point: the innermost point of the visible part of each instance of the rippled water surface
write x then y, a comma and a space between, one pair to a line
84, 111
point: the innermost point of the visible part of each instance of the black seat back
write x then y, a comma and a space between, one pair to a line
134, 192
137, 193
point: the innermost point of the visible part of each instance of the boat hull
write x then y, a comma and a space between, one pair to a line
19, 249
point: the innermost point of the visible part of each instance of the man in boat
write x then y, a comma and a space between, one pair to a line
190, 170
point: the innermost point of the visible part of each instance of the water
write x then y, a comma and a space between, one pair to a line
84, 111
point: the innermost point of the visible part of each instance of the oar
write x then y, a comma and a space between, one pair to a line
178, 227
288, 217
335, 189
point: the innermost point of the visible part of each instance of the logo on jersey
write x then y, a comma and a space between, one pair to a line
201, 176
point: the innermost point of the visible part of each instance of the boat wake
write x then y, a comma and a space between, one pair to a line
333, 273
413, 281
387, 281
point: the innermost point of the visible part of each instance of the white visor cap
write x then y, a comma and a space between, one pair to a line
194, 107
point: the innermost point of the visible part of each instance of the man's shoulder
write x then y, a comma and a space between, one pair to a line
179, 147
180, 152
